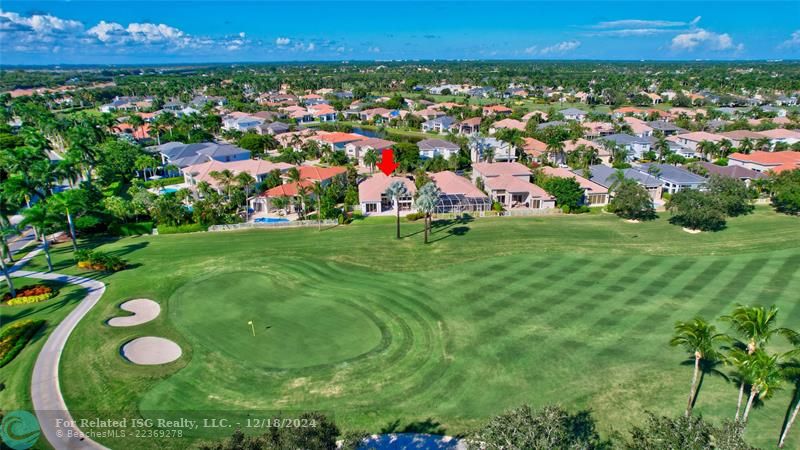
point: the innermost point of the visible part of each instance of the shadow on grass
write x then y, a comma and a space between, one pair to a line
706, 368
457, 231
427, 426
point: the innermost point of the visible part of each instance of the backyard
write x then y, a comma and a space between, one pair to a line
388, 335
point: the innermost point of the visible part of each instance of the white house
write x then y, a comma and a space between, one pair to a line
372, 197
429, 148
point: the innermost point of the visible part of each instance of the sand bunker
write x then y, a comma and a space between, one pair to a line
692, 230
151, 350
144, 310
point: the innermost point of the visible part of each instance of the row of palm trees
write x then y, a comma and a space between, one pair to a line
757, 372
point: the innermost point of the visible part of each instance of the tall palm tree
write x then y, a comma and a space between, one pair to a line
746, 145
41, 218
791, 373
763, 144
67, 203
318, 190
555, 149
371, 159
661, 146
426, 201
756, 326
766, 379
6, 275
707, 148
396, 191
700, 339
225, 178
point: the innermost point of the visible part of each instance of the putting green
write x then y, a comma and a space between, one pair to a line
293, 328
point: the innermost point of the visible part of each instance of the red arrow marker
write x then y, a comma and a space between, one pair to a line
387, 164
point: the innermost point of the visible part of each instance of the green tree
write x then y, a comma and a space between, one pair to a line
632, 201
71, 203
567, 191
696, 210
733, 195
548, 428
685, 433
785, 188
701, 340
371, 159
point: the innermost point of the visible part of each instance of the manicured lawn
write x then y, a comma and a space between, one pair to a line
16, 375
496, 312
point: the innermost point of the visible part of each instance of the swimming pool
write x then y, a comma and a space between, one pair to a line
270, 220
169, 190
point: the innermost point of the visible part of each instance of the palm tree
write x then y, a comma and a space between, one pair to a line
396, 191
246, 182
318, 191
707, 148
766, 379
371, 159
746, 145
661, 146
555, 149
791, 373
41, 219
763, 144
700, 339
68, 202
427, 198
225, 178
293, 174
6, 275
756, 325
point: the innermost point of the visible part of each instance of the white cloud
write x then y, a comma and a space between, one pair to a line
704, 39
792, 42
638, 23
311, 47
282, 41
640, 27
106, 31
561, 47
42, 24
374, 49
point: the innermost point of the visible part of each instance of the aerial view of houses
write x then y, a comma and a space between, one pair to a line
504, 225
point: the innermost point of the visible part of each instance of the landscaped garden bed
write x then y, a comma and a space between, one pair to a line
15, 337
30, 294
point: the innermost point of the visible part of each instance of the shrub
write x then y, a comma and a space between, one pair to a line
15, 337
28, 291
97, 260
30, 299
186, 228
414, 216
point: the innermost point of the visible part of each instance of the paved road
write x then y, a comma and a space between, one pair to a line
20, 241
48, 403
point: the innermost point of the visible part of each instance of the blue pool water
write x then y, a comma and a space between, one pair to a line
270, 220
169, 190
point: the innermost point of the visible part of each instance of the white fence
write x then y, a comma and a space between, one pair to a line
512, 213
291, 224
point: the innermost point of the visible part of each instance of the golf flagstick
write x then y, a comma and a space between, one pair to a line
252, 327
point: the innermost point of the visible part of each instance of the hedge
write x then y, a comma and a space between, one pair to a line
29, 291
15, 337
187, 228
166, 181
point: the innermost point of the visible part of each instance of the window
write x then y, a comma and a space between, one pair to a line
371, 207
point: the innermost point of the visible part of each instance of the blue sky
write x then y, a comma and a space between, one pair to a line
122, 32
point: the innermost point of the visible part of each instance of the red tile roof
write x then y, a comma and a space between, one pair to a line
774, 161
